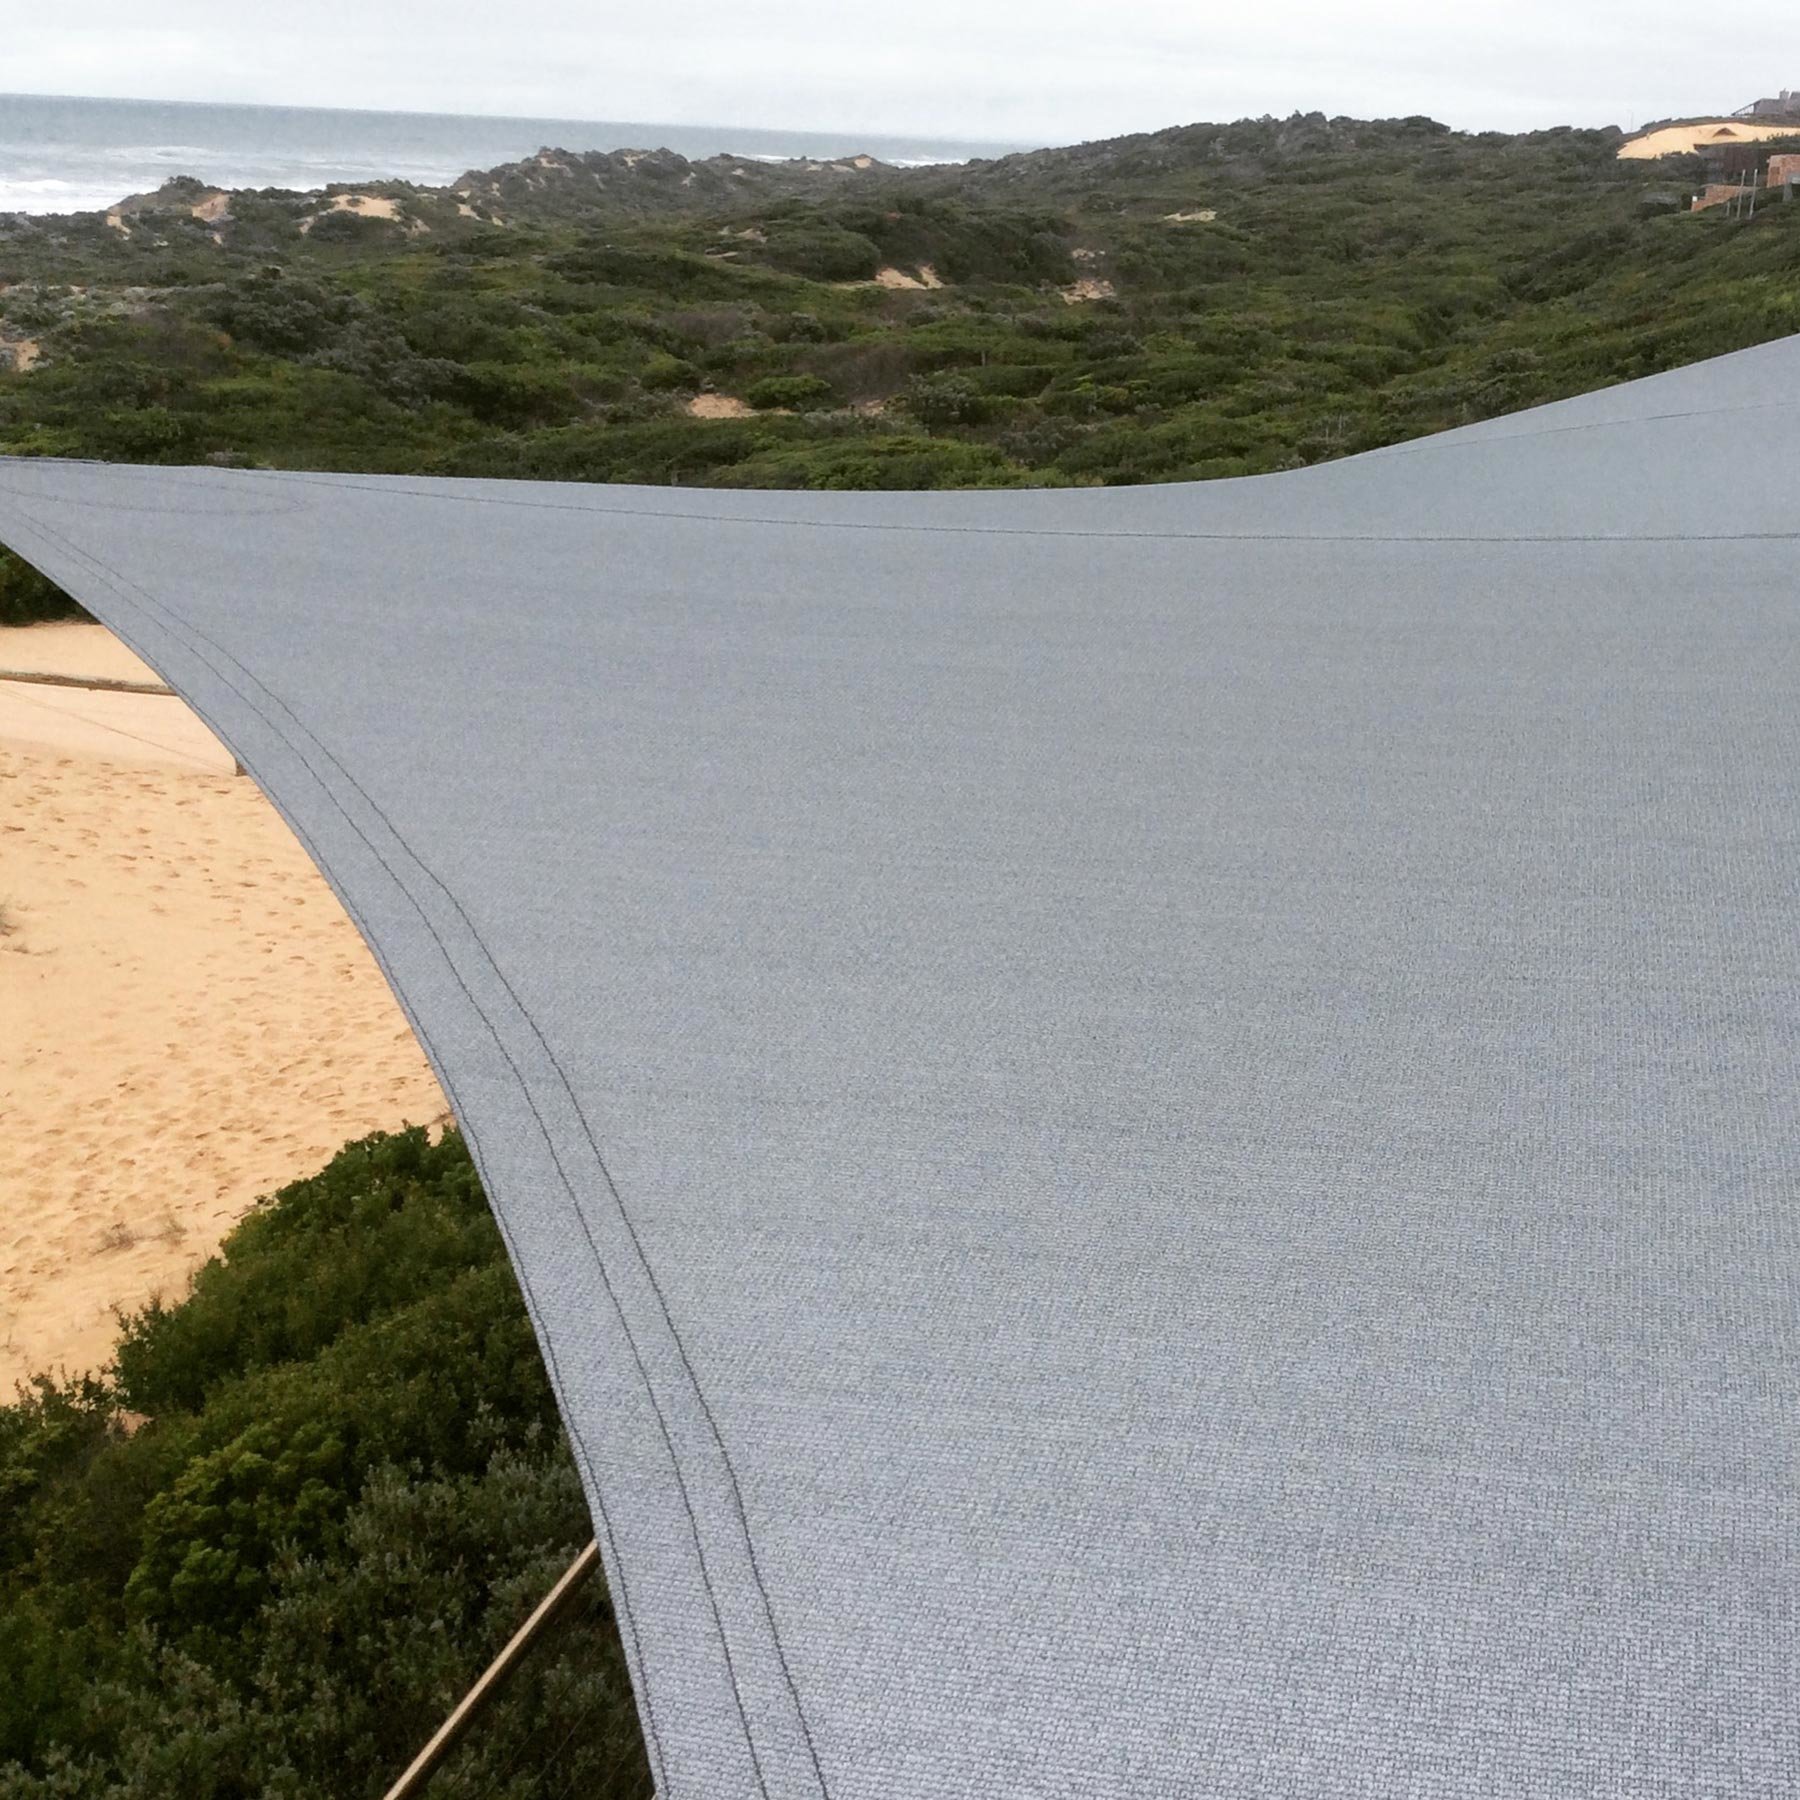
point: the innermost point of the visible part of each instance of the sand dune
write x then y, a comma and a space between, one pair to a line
192, 1020
718, 406
1679, 140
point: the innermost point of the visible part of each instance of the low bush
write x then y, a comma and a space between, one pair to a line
820, 251
26, 596
793, 393
266, 1551
940, 400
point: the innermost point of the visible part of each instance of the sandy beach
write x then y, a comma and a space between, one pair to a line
190, 1018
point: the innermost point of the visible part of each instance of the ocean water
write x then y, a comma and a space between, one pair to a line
74, 155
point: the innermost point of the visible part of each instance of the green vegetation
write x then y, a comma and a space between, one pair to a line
267, 1552
26, 596
1356, 283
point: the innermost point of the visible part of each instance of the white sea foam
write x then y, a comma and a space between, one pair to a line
47, 194
893, 162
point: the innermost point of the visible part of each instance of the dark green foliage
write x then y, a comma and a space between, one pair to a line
345, 1488
390, 1219
654, 267
663, 372
345, 227
821, 249
939, 400
288, 315
657, 451
799, 328
206, 1552
26, 596
150, 433
896, 462
791, 392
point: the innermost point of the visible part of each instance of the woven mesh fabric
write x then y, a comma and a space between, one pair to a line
1152, 1134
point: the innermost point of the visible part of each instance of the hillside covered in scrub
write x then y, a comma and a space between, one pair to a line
1204, 301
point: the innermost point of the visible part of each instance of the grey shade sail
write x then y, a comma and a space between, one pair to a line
1153, 1134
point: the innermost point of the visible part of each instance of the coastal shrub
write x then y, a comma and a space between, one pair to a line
510, 395
458, 333
937, 401
1034, 439
709, 327
26, 596
657, 268
794, 392
656, 451
862, 368
342, 226
799, 328
141, 434
821, 251
663, 373
869, 462
288, 315
339, 1487
386, 1218
962, 242
735, 359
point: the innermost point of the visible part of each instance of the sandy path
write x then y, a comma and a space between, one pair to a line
190, 1019
72, 648
126, 728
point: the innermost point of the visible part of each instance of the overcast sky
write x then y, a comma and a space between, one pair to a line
1038, 71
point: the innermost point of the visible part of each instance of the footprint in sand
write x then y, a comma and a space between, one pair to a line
190, 1013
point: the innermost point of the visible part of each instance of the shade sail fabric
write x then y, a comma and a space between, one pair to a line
1153, 1134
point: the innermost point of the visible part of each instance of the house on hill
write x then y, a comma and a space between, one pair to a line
1784, 105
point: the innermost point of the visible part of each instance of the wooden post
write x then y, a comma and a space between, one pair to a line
449, 1734
103, 683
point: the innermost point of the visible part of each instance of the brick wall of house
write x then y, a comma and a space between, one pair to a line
1785, 167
